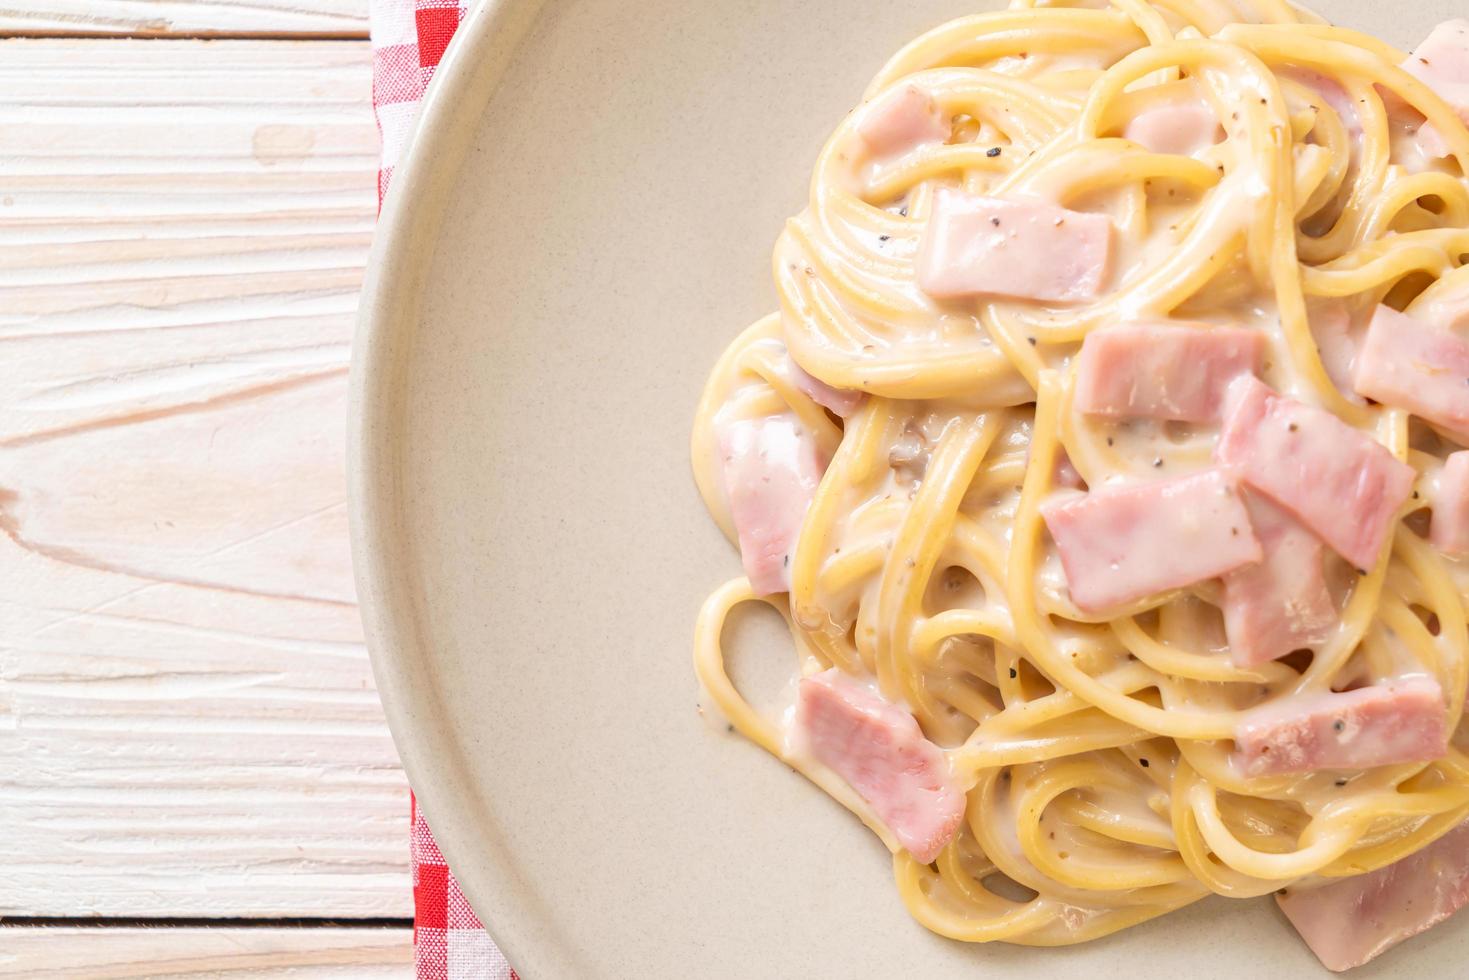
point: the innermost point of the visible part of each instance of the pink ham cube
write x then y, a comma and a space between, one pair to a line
1330, 93
1121, 544
771, 471
1181, 125
1414, 365
1280, 604
1442, 63
1431, 142
1158, 371
900, 120
1449, 530
1339, 482
1026, 249
1397, 721
1348, 921
879, 750
841, 402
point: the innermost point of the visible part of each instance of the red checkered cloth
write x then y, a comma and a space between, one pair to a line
408, 39
449, 943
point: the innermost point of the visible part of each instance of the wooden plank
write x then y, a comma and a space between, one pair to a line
206, 954
188, 717
284, 18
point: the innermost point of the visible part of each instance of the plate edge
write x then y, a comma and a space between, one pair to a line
389, 307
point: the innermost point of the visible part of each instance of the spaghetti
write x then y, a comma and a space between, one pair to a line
1094, 751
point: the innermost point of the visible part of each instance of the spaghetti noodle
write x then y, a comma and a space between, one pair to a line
1094, 751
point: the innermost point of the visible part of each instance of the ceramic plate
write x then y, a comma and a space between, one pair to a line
583, 224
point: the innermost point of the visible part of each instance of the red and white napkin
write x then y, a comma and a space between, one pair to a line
408, 39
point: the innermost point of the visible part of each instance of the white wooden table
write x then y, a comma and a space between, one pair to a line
195, 777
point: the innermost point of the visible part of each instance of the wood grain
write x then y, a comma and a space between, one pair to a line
185, 17
188, 725
186, 954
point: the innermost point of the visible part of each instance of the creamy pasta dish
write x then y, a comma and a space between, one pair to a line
1105, 458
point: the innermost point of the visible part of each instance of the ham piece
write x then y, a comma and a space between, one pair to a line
842, 402
1120, 544
1411, 364
1157, 371
1280, 604
1396, 721
1348, 921
1337, 481
900, 120
1449, 530
1025, 249
878, 749
771, 471
1180, 125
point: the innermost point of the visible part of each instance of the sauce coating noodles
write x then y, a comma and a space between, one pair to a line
1095, 749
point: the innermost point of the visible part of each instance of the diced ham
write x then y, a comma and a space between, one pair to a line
1120, 544
879, 750
1020, 248
1336, 480
1431, 142
900, 120
1183, 126
1163, 372
1330, 92
1449, 530
771, 471
1442, 63
1402, 720
1280, 604
1348, 921
1408, 363
1446, 309
842, 402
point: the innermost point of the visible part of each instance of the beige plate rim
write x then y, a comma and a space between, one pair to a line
411, 215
